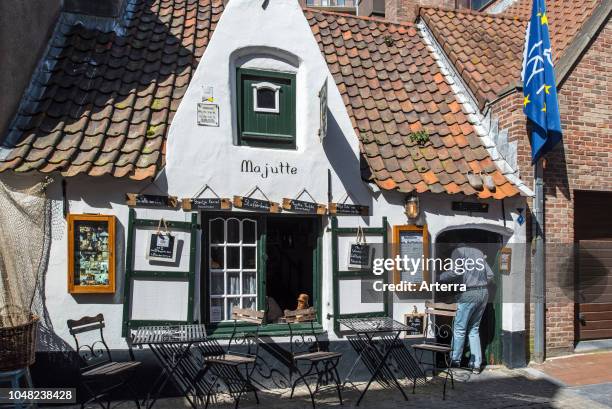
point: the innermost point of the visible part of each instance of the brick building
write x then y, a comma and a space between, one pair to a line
485, 49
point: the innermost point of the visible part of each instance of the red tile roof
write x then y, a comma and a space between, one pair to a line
392, 88
487, 49
109, 99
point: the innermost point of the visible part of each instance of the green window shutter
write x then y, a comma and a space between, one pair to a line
273, 125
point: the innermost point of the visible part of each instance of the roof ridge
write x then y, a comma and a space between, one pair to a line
504, 16
374, 19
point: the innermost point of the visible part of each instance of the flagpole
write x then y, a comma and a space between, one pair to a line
539, 265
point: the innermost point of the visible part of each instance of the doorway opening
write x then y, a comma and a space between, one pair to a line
490, 243
291, 244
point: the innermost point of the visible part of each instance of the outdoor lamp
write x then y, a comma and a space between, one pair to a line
411, 207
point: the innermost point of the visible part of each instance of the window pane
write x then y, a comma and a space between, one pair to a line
216, 309
216, 283
249, 303
216, 257
233, 231
233, 302
266, 98
249, 283
248, 257
233, 257
216, 231
248, 231
233, 283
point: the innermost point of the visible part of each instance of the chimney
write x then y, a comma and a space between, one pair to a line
98, 8
406, 10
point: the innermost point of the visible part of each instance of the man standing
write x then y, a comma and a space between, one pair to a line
470, 268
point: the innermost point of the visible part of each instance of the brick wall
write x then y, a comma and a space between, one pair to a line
582, 162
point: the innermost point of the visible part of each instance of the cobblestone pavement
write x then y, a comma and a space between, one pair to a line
493, 389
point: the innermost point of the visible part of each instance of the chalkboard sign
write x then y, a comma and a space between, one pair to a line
304, 206
416, 321
249, 203
162, 247
135, 199
471, 207
343, 209
205, 203
360, 256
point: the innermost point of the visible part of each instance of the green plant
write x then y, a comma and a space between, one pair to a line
420, 137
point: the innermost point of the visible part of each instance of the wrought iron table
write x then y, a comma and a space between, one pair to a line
172, 346
375, 352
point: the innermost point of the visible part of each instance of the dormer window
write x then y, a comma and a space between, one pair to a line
265, 97
266, 108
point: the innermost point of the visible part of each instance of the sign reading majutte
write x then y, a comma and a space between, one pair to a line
243, 202
343, 209
304, 206
206, 203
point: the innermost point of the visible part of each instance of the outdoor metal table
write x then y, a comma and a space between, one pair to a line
172, 346
375, 354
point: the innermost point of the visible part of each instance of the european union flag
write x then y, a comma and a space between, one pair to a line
540, 102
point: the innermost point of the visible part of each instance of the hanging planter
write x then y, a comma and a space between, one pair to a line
18, 328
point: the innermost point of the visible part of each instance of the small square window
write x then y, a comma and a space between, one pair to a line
265, 97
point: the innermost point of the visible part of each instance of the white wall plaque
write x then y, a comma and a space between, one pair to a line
208, 114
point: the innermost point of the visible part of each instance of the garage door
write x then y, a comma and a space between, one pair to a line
593, 232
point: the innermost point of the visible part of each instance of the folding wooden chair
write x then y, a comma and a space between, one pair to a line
438, 340
232, 366
306, 349
100, 375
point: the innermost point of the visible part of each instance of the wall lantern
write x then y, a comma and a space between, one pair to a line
411, 207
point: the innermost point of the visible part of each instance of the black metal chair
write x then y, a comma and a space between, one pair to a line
100, 375
308, 358
438, 340
235, 364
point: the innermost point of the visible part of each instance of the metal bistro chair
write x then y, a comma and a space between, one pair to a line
305, 349
230, 365
100, 375
438, 340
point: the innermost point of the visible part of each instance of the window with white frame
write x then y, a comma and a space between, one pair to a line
265, 97
232, 264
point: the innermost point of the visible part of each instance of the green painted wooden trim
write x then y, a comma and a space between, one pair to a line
262, 262
155, 223
267, 136
128, 273
192, 265
388, 298
159, 274
317, 277
335, 278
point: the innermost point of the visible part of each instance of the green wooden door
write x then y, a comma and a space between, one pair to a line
341, 275
131, 274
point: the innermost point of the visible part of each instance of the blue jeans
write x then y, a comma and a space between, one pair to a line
471, 305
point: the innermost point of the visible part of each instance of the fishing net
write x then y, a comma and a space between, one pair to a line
25, 238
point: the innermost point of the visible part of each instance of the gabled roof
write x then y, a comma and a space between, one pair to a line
486, 49
104, 98
392, 87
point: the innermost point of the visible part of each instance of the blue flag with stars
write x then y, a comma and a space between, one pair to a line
540, 102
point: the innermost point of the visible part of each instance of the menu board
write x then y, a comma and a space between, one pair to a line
91, 253
411, 245
162, 247
360, 255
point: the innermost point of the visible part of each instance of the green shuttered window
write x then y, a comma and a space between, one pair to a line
266, 109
